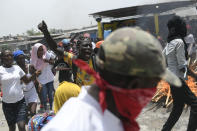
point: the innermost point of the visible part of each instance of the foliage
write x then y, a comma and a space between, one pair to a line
32, 32
4, 47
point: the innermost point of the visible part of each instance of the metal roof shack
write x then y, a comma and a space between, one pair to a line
143, 9
150, 17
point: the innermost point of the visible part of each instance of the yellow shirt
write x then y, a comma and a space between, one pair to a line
82, 77
68, 58
64, 91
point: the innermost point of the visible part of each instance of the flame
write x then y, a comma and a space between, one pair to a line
192, 85
163, 89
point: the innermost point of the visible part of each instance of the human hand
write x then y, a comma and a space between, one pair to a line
38, 72
45, 60
42, 26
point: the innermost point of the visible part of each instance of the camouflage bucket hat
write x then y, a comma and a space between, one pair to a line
134, 52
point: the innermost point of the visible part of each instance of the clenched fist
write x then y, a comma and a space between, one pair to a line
42, 26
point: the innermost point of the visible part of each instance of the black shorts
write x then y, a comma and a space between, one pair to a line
14, 112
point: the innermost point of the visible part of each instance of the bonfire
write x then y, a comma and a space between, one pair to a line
163, 91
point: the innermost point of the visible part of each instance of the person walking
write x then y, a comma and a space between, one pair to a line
31, 96
42, 60
176, 57
13, 102
85, 53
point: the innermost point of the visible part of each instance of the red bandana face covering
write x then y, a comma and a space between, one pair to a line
129, 102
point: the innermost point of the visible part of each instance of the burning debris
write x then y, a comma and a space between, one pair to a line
163, 93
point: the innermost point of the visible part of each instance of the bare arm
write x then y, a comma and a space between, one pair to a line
52, 44
26, 79
37, 85
51, 61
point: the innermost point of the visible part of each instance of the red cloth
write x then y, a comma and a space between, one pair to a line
129, 102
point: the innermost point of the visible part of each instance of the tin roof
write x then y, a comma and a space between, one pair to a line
143, 9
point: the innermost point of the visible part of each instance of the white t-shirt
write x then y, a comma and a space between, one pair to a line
83, 113
30, 92
11, 83
46, 75
52, 54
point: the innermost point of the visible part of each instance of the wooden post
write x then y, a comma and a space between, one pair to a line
156, 18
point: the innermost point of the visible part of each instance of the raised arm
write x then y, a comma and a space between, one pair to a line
52, 44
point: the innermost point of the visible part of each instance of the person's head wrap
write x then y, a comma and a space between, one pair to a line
39, 64
86, 35
65, 41
65, 91
17, 53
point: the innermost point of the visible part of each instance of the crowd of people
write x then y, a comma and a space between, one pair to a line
102, 86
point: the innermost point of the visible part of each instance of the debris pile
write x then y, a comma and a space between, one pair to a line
163, 93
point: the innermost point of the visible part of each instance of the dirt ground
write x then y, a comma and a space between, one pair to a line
153, 120
149, 120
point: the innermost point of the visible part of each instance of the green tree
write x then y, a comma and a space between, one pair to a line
4, 47
32, 32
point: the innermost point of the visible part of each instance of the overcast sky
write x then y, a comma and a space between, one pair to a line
17, 16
